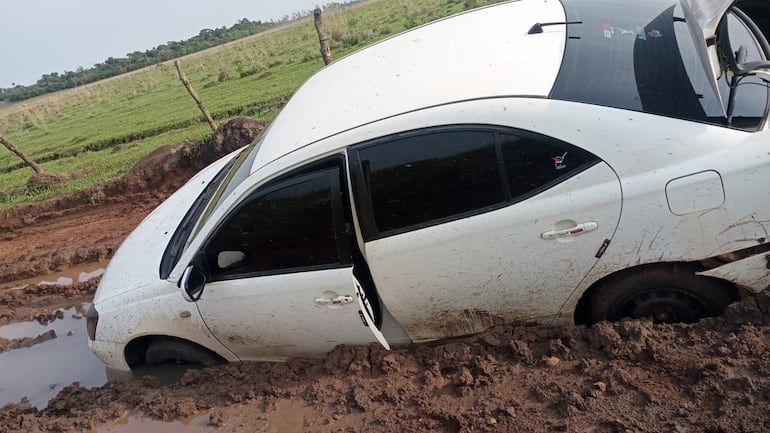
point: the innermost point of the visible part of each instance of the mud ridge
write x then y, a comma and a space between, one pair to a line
88, 225
631, 376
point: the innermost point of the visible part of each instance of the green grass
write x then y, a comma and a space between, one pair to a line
105, 127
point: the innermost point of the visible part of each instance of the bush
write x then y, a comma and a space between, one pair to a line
225, 73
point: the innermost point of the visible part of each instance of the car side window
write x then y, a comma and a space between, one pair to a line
288, 226
532, 163
429, 177
425, 178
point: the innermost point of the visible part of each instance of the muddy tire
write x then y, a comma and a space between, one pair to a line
663, 294
173, 351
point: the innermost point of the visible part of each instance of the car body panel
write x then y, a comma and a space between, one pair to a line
277, 317
462, 277
752, 273
144, 247
154, 310
132, 299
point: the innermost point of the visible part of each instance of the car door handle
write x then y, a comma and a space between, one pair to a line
572, 231
339, 300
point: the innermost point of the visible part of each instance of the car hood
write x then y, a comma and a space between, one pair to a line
136, 263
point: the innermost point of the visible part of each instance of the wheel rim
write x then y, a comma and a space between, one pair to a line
663, 305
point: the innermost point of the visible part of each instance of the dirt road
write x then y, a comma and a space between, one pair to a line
632, 376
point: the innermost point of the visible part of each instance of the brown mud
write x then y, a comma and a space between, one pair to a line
631, 376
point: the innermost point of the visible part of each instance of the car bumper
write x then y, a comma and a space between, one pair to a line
110, 353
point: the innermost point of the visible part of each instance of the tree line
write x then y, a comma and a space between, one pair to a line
111, 67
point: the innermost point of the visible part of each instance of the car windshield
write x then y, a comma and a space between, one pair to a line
237, 174
641, 56
179, 238
228, 178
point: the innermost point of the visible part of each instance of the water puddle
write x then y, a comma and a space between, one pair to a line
289, 416
133, 424
41, 371
77, 274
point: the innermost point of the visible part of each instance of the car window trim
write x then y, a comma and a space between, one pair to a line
363, 198
328, 163
186, 227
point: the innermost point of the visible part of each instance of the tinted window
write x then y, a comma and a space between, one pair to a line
429, 177
533, 163
406, 183
289, 225
641, 56
179, 238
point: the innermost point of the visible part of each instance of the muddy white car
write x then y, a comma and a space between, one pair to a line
529, 162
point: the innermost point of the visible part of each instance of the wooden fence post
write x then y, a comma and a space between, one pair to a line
326, 52
194, 95
29, 161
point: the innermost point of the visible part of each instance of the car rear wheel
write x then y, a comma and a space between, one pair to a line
174, 351
663, 294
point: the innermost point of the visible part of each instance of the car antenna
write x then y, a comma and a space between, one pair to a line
538, 27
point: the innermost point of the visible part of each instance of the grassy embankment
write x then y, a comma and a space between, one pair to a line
102, 129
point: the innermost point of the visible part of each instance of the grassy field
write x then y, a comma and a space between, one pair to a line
104, 128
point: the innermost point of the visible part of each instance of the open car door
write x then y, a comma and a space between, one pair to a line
369, 313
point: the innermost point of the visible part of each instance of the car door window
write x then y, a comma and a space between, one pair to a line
428, 177
534, 163
288, 226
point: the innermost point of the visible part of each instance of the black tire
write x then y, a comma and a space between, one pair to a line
664, 294
174, 351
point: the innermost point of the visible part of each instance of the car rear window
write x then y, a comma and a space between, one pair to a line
641, 56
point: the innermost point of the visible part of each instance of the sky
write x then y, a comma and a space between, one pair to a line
42, 36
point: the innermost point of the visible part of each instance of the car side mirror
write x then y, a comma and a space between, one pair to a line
192, 283
231, 259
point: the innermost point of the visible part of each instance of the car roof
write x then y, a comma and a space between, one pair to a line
482, 53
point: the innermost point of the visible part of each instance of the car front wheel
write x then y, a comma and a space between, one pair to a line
173, 351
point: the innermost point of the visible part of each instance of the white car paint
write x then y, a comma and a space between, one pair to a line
133, 300
447, 61
277, 317
665, 191
464, 276
497, 69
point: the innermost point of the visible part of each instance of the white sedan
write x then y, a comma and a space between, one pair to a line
535, 161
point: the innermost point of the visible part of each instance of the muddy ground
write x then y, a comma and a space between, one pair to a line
632, 376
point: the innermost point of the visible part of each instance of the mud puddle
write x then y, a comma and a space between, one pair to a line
135, 424
39, 372
77, 274
282, 416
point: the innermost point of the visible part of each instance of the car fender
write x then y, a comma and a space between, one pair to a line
154, 310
